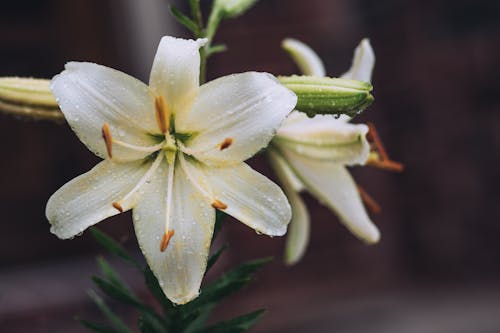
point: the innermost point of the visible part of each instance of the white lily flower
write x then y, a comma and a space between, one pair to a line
312, 154
173, 153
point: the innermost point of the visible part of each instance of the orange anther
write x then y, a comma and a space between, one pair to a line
118, 207
162, 115
106, 135
166, 239
226, 143
219, 204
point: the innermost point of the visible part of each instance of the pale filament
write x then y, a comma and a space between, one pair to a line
207, 193
226, 143
110, 141
147, 149
147, 176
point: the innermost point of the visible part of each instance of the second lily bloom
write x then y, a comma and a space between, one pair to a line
312, 154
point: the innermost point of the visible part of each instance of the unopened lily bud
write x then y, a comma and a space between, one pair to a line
234, 8
29, 98
324, 95
27, 91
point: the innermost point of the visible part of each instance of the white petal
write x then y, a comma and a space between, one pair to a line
298, 231
325, 138
333, 185
175, 74
250, 197
297, 237
362, 63
246, 109
91, 95
308, 61
89, 198
180, 268
285, 173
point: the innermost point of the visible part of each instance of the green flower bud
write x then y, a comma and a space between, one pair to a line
324, 95
234, 8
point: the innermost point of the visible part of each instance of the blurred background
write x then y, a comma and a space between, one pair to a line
437, 267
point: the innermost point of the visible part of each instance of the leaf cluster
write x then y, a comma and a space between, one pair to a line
188, 318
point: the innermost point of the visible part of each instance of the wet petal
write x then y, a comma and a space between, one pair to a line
234, 117
332, 184
306, 59
325, 138
181, 266
176, 71
89, 198
298, 232
92, 95
363, 62
244, 194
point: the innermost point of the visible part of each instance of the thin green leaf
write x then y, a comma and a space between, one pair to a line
214, 257
97, 327
216, 49
226, 285
199, 320
235, 325
183, 19
113, 246
196, 15
114, 320
150, 324
112, 275
117, 293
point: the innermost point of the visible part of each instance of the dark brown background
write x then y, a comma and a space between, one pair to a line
437, 108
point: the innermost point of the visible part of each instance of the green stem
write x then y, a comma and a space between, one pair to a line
197, 16
209, 32
203, 65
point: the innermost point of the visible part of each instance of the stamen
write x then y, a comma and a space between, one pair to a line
106, 135
165, 240
386, 165
118, 207
379, 157
373, 136
369, 201
147, 149
217, 204
206, 192
144, 179
162, 114
226, 143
